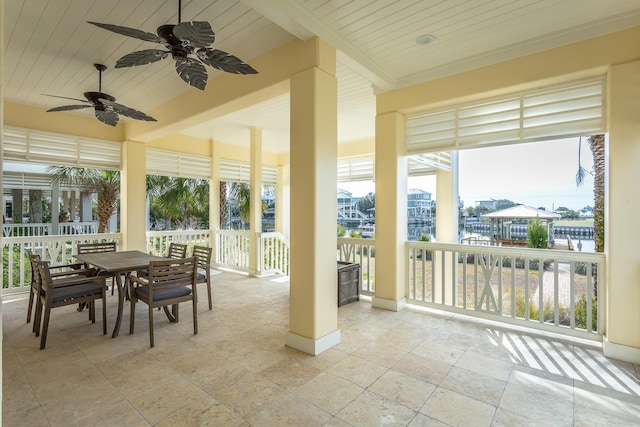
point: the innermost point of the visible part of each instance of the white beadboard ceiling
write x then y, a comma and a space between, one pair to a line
50, 48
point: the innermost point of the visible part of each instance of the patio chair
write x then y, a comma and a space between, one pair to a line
66, 291
176, 251
203, 255
90, 248
168, 284
58, 271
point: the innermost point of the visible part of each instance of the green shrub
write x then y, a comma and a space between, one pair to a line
424, 238
16, 267
581, 313
534, 311
341, 231
537, 236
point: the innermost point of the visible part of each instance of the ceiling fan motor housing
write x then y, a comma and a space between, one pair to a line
179, 50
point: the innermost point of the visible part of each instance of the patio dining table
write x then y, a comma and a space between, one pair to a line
119, 263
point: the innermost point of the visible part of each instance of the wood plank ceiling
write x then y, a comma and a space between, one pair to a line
50, 48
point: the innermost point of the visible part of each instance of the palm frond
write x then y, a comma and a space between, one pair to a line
580, 175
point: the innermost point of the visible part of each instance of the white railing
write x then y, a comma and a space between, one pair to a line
27, 229
363, 252
89, 227
46, 229
16, 270
231, 249
551, 290
274, 256
158, 241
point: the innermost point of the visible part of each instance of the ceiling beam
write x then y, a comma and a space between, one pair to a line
299, 21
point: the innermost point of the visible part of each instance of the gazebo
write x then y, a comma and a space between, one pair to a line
502, 220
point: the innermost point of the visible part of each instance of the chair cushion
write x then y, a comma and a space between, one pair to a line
142, 273
201, 276
76, 291
160, 293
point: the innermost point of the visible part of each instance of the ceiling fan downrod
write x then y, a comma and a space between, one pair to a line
100, 68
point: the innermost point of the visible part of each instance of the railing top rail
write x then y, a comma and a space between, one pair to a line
511, 251
233, 232
54, 238
156, 233
357, 240
269, 234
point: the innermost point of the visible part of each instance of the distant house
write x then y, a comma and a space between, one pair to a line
491, 203
419, 205
586, 212
347, 209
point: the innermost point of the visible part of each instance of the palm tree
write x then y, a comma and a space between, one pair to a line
241, 193
223, 203
596, 144
181, 200
104, 182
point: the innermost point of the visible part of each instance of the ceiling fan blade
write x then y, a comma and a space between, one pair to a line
224, 61
192, 72
65, 97
131, 32
141, 57
127, 111
68, 108
107, 117
196, 33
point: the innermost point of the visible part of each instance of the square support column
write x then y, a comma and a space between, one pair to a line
447, 228
283, 199
314, 317
391, 212
133, 191
255, 218
214, 200
622, 335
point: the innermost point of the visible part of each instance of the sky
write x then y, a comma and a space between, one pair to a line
541, 174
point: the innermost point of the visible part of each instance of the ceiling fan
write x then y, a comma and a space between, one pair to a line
106, 107
187, 42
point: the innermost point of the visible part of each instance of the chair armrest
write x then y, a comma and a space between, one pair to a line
75, 266
88, 272
139, 281
62, 283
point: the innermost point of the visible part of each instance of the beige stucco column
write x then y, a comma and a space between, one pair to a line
391, 212
133, 189
283, 197
313, 324
1, 162
622, 339
214, 199
446, 225
447, 206
255, 218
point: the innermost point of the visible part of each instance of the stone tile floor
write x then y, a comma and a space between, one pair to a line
409, 368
